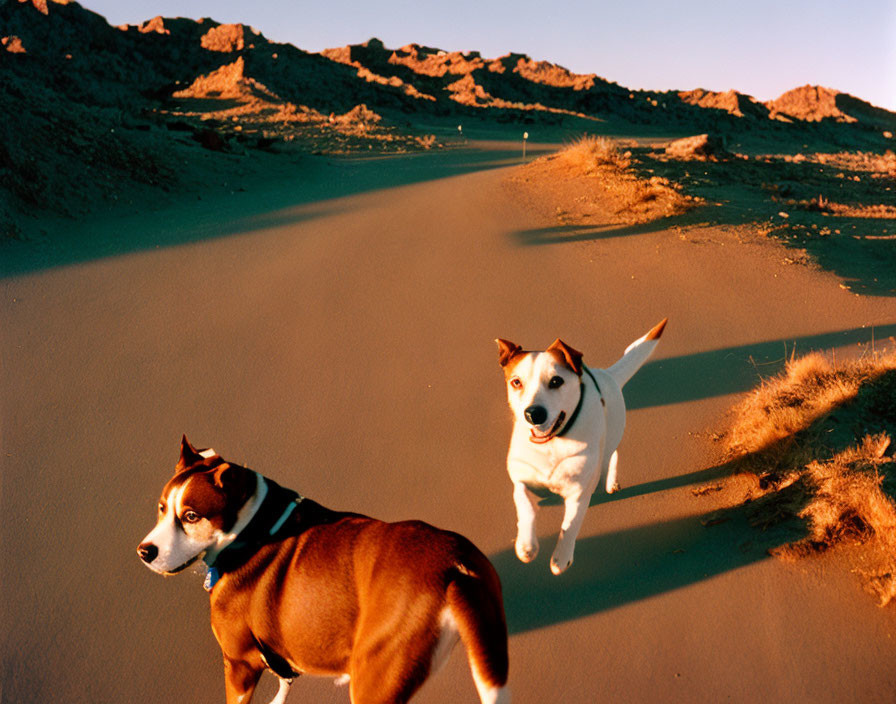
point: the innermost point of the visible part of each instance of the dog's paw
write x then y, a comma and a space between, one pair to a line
613, 489
562, 557
560, 566
526, 551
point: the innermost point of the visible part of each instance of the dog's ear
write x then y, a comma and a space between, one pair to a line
234, 481
225, 475
188, 455
572, 357
506, 350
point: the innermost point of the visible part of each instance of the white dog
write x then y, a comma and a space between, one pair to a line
568, 422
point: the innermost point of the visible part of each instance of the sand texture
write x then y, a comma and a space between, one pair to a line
334, 331
302, 260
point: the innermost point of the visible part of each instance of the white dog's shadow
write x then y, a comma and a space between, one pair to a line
547, 499
619, 568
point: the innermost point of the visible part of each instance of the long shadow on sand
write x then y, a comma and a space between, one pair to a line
620, 568
599, 497
562, 234
858, 249
312, 189
715, 373
732, 369
627, 566
867, 263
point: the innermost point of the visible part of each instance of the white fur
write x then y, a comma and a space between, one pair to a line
176, 546
489, 694
448, 637
571, 465
282, 691
181, 543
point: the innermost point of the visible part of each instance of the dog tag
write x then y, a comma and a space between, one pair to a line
211, 578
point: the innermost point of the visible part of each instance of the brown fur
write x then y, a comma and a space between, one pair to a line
219, 494
509, 368
657, 329
572, 358
507, 351
344, 593
509, 355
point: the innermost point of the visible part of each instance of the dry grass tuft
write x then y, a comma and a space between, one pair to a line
614, 188
589, 153
817, 441
770, 419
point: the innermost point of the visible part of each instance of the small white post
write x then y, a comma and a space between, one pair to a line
525, 137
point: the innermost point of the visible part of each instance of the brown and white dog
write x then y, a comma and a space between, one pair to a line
297, 588
568, 422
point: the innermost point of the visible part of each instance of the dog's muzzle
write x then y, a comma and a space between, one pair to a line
147, 552
551, 434
536, 415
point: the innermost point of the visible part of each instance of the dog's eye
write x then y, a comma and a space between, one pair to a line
161, 507
190, 517
555, 382
516, 383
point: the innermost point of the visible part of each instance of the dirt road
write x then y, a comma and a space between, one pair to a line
335, 332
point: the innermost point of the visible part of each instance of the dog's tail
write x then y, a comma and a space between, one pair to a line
474, 597
636, 354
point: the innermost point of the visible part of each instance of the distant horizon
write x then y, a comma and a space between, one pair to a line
763, 49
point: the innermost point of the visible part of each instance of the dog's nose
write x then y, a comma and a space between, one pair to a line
536, 415
147, 552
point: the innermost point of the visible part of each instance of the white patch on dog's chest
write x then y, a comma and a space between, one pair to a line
547, 467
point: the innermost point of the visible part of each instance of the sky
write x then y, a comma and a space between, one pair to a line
759, 47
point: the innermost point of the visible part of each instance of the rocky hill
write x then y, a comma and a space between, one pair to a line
91, 109
520, 89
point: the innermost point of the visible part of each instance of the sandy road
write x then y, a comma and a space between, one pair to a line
335, 333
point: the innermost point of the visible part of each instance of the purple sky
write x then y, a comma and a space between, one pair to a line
759, 47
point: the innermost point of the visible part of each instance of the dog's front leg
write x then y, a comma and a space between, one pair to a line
574, 515
526, 507
240, 679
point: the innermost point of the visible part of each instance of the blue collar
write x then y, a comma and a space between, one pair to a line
266, 526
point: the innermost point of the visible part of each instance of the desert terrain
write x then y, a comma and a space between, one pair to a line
316, 295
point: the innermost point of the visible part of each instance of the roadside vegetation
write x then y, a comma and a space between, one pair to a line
589, 153
815, 445
634, 197
593, 182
